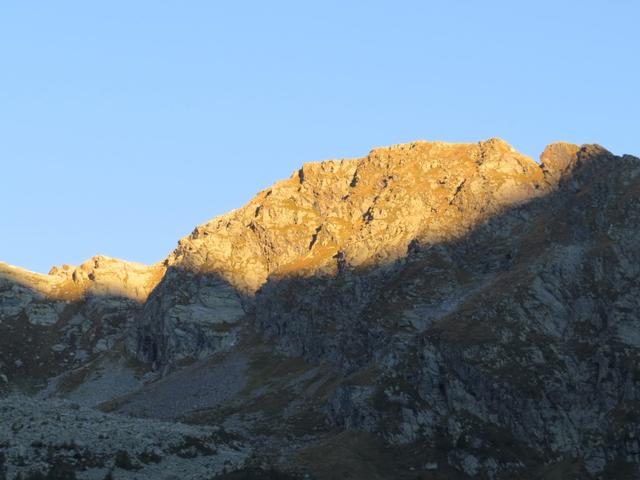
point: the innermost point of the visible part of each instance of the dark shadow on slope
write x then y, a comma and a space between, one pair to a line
527, 324
490, 259
43, 337
188, 314
257, 474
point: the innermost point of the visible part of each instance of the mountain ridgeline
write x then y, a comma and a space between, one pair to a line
431, 311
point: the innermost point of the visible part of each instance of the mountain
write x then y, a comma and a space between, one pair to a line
430, 311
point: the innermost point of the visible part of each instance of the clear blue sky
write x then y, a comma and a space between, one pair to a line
123, 124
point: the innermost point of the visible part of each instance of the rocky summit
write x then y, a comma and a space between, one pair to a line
429, 311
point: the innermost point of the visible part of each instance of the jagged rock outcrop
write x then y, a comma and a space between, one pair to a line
360, 212
62, 320
334, 215
98, 276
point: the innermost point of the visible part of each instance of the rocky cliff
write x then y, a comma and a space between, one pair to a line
333, 216
432, 310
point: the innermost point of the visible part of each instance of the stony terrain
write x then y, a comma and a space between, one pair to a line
37, 435
429, 311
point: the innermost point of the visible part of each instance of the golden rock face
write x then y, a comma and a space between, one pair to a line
99, 275
360, 212
363, 211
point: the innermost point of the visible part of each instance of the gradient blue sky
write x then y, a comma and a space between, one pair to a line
123, 124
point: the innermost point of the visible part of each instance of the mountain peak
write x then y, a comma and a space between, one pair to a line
349, 212
361, 211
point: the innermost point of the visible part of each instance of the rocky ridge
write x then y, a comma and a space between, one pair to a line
457, 308
98, 276
339, 214
65, 319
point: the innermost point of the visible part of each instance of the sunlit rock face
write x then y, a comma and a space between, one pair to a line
361, 212
98, 276
472, 309
333, 215
64, 320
